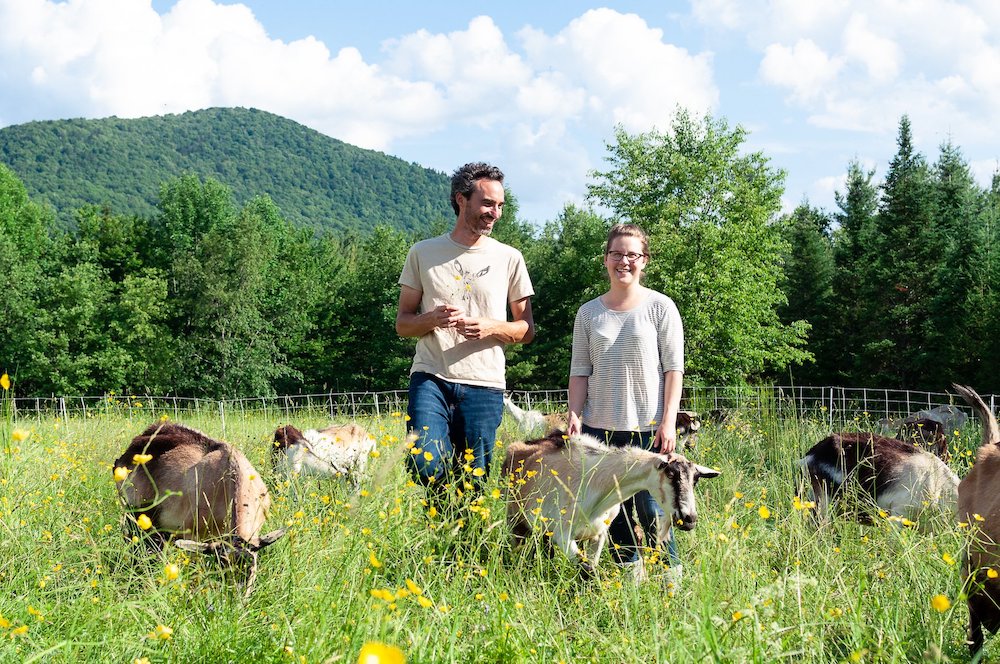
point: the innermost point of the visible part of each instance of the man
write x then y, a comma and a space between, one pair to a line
455, 291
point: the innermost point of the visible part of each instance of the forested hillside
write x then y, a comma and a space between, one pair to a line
315, 180
211, 295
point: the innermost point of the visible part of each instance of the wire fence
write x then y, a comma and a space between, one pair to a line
834, 404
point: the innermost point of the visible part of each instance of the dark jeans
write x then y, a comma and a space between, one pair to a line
645, 508
448, 419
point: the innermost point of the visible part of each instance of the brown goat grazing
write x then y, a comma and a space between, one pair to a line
204, 489
979, 507
336, 451
574, 488
897, 477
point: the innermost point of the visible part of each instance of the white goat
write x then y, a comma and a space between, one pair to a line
188, 484
534, 422
574, 488
979, 508
336, 451
897, 477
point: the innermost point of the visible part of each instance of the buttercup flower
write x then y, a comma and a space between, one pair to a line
144, 522
19, 435
161, 632
940, 603
140, 459
374, 652
121, 472
5, 381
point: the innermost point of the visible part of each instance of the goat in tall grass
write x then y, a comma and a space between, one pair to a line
206, 490
979, 508
574, 488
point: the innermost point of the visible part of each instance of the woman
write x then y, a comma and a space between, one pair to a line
625, 378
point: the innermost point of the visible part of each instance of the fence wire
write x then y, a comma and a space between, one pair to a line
834, 404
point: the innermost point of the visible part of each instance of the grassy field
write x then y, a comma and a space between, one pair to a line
760, 583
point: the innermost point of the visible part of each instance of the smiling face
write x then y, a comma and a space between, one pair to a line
622, 269
478, 212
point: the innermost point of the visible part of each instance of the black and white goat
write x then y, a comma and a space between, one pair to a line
203, 489
896, 476
574, 487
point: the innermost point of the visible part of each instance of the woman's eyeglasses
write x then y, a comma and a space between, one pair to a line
631, 256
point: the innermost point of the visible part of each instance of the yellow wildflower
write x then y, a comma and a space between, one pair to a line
413, 587
374, 652
940, 603
948, 559
479, 472
161, 631
5, 381
991, 573
424, 602
139, 459
764, 512
171, 571
144, 522
121, 472
737, 616
373, 561
19, 435
18, 631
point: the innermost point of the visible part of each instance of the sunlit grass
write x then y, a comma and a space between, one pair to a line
761, 583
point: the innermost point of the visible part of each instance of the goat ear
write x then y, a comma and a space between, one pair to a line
191, 545
270, 538
706, 472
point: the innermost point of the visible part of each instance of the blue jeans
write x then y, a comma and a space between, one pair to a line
448, 419
622, 529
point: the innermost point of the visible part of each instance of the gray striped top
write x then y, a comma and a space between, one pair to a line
625, 354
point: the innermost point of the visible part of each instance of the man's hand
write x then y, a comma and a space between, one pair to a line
447, 315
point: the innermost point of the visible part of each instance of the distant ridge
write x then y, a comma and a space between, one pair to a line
315, 180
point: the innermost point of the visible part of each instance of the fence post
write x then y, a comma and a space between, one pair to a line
222, 414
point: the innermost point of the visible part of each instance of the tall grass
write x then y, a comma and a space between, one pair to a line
760, 582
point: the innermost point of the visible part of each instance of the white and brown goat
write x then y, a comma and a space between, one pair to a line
892, 474
336, 451
202, 489
979, 508
574, 487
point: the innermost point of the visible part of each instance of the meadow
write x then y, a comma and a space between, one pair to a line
761, 583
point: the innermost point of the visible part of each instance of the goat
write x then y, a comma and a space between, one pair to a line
979, 507
574, 488
897, 477
533, 421
188, 484
688, 424
336, 451
927, 434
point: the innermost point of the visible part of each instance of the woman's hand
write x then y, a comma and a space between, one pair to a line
666, 438
575, 425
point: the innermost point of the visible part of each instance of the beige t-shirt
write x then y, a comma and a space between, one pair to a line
479, 280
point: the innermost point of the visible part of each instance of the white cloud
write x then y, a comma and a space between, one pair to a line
803, 68
880, 56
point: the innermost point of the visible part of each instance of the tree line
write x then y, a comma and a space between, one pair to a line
207, 297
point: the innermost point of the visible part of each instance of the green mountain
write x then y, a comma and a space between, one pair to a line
316, 180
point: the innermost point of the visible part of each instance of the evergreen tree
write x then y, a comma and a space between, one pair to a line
904, 264
808, 285
958, 203
854, 248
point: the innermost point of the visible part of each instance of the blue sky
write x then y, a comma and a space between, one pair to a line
535, 87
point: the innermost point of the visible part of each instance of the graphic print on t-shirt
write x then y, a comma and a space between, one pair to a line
467, 280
